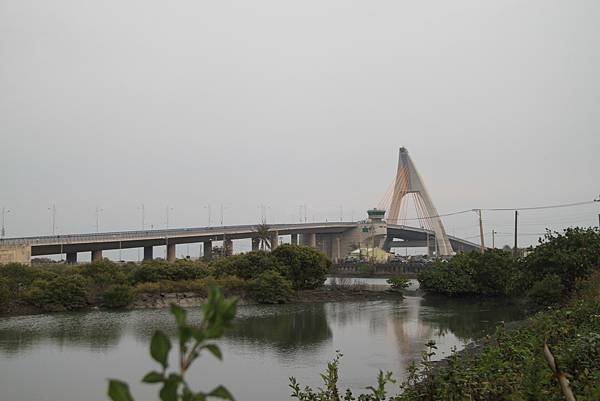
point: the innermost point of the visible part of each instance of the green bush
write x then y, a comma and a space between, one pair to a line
103, 273
4, 293
117, 296
247, 266
18, 277
547, 291
305, 267
398, 283
270, 287
493, 273
366, 269
155, 270
232, 284
572, 255
66, 292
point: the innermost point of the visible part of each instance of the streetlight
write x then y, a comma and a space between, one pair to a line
209, 213
222, 208
168, 209
5, 211
98, 211
143, 209
263, 212
53, 210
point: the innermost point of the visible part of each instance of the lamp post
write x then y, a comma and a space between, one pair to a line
209, 209
142, 208
5, 211
263, 212
98, 211
53, 210
222, 209
168, 209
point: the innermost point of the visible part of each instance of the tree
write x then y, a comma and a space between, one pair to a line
248, 265
572, 255
305, 267
264, 235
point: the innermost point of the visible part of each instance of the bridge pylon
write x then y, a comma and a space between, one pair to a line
408, 183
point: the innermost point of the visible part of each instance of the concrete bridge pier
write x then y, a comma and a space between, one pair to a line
294, 239
97, 255
255, 244
71, 257
148, 253
227, 247
310, 239
171, 253
207, 250
274, 239
337, 249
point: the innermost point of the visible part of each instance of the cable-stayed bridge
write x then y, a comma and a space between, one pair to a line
336, 240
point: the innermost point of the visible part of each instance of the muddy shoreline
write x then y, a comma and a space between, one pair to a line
192, 299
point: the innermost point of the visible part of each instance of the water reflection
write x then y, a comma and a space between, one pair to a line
95, 332
467, 318
288, 329
265, 345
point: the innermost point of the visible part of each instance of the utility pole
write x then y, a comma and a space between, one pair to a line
494, 232
221, 215
516, 221
143, 217
341, 212
4, 213
481, 237
598, 200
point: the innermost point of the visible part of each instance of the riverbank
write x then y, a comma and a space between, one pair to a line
511, 364
191, 299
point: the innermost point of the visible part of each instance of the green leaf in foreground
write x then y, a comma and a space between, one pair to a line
215, 350
153, 377
221, 392
160, 347
119, 391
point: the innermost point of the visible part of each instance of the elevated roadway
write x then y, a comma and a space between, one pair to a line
319, 235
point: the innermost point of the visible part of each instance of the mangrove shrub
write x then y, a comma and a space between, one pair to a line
305, 267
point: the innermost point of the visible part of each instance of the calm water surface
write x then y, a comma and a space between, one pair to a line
67, 357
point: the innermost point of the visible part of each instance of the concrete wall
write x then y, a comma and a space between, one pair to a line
15, 253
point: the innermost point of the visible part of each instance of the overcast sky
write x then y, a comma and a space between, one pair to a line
284, 103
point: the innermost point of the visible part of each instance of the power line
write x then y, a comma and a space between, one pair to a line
542, 207
504, 209
437, 215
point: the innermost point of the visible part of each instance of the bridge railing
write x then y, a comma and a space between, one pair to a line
164, 233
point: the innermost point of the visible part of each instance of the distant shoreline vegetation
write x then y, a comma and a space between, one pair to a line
266, 277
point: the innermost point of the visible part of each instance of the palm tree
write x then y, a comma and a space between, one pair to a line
264, 236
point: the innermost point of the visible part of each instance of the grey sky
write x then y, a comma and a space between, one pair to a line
118, 103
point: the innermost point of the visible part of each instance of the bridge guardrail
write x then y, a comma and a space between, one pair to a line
165, 233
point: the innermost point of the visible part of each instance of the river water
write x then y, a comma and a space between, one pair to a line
68, 357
